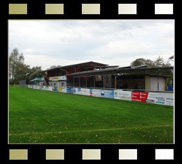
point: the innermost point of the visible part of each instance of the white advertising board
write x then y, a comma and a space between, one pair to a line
160, 98
169, 99
47, 88
36, 87
96, 93
50, 88
85, 91
77, 91
123, 95
57, 78
63, 90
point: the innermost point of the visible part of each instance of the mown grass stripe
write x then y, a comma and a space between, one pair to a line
94, 130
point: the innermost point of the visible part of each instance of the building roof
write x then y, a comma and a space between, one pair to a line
172, 57
38, 79
90, 64
127, 69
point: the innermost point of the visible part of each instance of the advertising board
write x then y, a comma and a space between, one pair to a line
169, 99
36, 87
70, 90
123, 95
107, 93
96, 92
63, 89
47, 88
139, 96
160, 98
85, 91
57, 78
59, 89
77, 91
55, 89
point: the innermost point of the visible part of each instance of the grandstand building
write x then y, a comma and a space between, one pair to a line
98, 75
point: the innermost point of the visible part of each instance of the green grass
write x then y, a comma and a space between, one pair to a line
37, 116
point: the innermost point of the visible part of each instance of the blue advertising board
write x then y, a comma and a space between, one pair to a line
107, 93
55, 89
74, 90
70, 90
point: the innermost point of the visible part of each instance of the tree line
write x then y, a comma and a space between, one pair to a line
18, 70
159, 62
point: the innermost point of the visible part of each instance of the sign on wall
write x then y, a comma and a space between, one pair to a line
59, 89
139, 96
107, 93
160, 98
77, 91
96, 92
55, 89
57, 78
70, 90
36, 87
85, 91
148, 97
63, 89
47, 88
169, 99
123, 95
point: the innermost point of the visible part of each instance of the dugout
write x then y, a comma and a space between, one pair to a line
38, 81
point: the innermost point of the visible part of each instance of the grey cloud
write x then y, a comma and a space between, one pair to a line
82, 40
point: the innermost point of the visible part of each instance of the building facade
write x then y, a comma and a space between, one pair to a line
99, 75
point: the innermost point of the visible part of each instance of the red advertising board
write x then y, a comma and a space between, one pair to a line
139, 96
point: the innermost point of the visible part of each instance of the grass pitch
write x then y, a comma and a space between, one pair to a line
37, 116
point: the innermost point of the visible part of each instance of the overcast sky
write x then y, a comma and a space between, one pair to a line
115, 42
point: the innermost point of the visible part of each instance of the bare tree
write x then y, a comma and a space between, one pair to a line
16, 63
